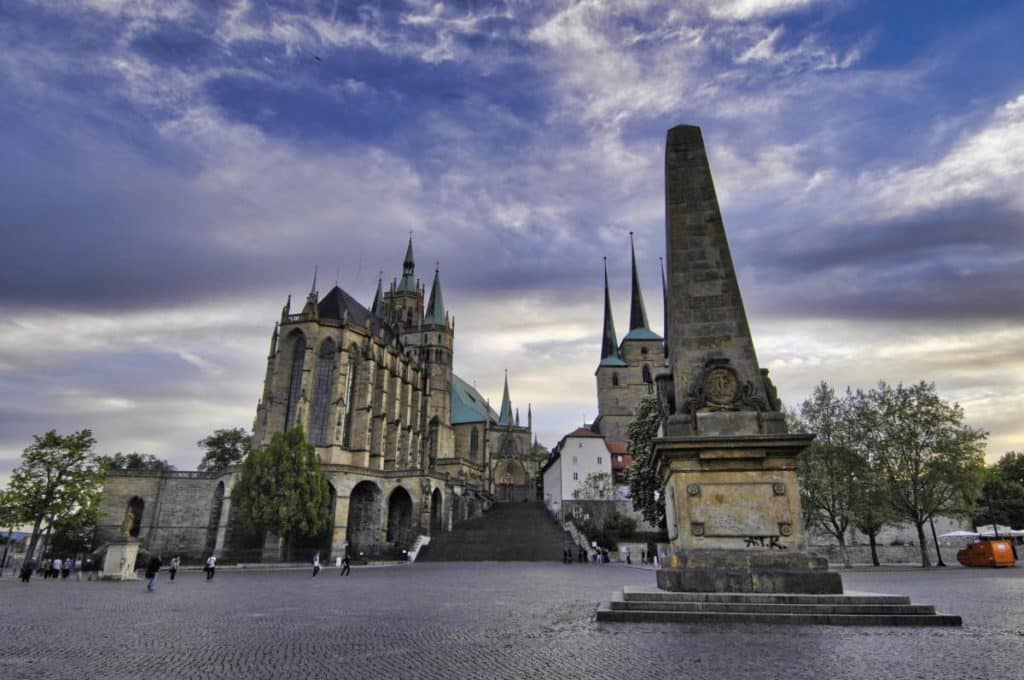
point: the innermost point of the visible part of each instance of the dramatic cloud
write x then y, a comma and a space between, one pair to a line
173, 170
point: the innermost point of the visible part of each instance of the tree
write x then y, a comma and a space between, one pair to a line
1001, 500
871, 511
57, 482
644, 485
1012, 466
831, 468
224, 448
282, 489
930, 459
141, 462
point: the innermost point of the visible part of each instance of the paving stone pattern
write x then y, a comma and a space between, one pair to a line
479, 620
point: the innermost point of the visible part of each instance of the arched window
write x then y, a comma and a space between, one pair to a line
615, 379
474, 443
647, 374
319, 425
133, 516
295, 381
350, 396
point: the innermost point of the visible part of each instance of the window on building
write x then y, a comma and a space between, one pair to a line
599, 460
350, 397
295, 381
618, 459
575, 476
323, 392
474, 443
615, 379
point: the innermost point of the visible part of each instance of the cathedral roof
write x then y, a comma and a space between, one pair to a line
337, 301
506, 406
408, 281
468, 405
638, 326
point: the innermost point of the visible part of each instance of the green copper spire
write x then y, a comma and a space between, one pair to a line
408, 282
609, 345
505, 416
435, 306
638, 327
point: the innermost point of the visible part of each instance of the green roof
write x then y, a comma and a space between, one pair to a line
641, 334
468, 405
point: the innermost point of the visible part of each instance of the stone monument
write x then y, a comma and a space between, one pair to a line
119, 562
726, 461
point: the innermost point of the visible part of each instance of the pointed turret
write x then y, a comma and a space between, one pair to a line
638, 327
435, 306
273, 340
505, 416
312, 297
517, 417
529, 416
609, 345
408, 282
377, 308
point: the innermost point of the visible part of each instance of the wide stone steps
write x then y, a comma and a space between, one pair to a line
520, 532
656, 606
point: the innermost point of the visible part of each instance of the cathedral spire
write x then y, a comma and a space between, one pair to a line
435, 306
377, 308
505, 416
312, 297
408, 282
609, 345
637, 312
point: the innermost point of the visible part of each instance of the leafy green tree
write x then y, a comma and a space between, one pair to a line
1006, 496
57, 482
831, 468
282, 489
1012, 466
930, 459
871, 511
644, 485
142, 462
224, 448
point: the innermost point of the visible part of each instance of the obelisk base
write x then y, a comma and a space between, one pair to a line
737, 571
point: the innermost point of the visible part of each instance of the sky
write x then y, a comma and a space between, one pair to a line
171, 171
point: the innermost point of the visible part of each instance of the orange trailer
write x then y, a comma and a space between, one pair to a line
987, 552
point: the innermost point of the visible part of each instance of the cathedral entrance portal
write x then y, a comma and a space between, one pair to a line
512, 484
400, 533
363, 520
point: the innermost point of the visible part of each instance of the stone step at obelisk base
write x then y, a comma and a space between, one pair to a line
508, 532
727, 461
650, 605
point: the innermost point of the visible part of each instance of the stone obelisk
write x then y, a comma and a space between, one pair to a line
726, 462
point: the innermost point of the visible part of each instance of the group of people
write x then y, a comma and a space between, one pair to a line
599, 555
59, 568
346, 564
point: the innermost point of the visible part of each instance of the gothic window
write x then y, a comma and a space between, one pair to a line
350, 397
434, 430
647, 374
474, 443
319, 426
295, 381
615, 379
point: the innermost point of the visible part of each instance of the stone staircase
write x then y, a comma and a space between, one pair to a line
508, 532
649, 605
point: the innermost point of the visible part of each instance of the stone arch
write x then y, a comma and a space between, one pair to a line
363, 519
297, 340
320, 420
400, 529
436, 510
133, 515
216, 509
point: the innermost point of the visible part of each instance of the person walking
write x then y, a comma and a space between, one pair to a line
90, 569
27, 567
627, 551
56, 565
345, 565
173, 568
211, 566
153, 572
316, 564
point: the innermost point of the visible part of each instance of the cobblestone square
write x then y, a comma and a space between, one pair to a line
478, 620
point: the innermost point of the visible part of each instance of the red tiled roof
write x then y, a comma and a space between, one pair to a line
616, 447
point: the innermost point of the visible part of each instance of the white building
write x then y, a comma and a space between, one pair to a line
579, 454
